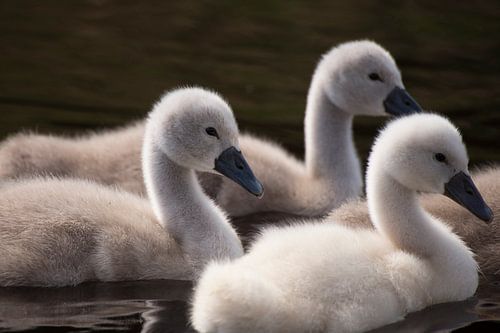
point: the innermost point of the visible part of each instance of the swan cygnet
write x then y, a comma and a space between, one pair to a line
355, 78
325, 277
483, 239
56, 232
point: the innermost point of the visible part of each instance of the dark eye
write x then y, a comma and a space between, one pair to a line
212, 131
440, 158
375, 77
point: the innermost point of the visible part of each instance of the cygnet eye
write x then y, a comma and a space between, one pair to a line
440, 157
212, 132
375, 77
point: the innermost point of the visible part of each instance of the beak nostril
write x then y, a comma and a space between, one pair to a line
468, 189
239, 165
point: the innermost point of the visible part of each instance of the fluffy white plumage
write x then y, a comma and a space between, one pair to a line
325, 277
483, 239
56, 232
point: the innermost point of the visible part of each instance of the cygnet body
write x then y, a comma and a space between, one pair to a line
56, 232
354, 78
325, 277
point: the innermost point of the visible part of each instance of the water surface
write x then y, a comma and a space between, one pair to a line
162, 306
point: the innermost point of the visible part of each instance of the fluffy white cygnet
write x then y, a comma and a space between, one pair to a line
355, 78
325, 277
56, 232
484, 240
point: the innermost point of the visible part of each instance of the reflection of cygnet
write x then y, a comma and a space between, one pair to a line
164, 316
330, 278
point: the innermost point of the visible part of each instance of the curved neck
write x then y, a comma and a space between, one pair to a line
173, 191
195, 222
330, 152
396, 213
448, 270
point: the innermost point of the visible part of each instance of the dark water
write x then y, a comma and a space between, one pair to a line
161, 306
67, 66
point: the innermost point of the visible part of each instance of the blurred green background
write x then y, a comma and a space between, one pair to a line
68, 66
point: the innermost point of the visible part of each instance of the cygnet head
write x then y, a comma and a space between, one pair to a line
362, 78
196, 129
425, 153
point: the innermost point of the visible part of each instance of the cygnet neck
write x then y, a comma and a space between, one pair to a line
396, 213
330, 152
172, 189
189, 216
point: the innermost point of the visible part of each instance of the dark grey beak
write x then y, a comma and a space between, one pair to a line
400, 103
462, 190
232, 164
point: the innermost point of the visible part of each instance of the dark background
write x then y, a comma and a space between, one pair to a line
67, 66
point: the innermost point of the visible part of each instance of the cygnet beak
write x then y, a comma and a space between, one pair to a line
400, 103
462, 190
233, 165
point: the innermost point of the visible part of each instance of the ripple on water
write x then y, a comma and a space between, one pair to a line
162, 306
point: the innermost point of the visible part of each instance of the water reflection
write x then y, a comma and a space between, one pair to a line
438, 318
166, 317
132, 306
162, 306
